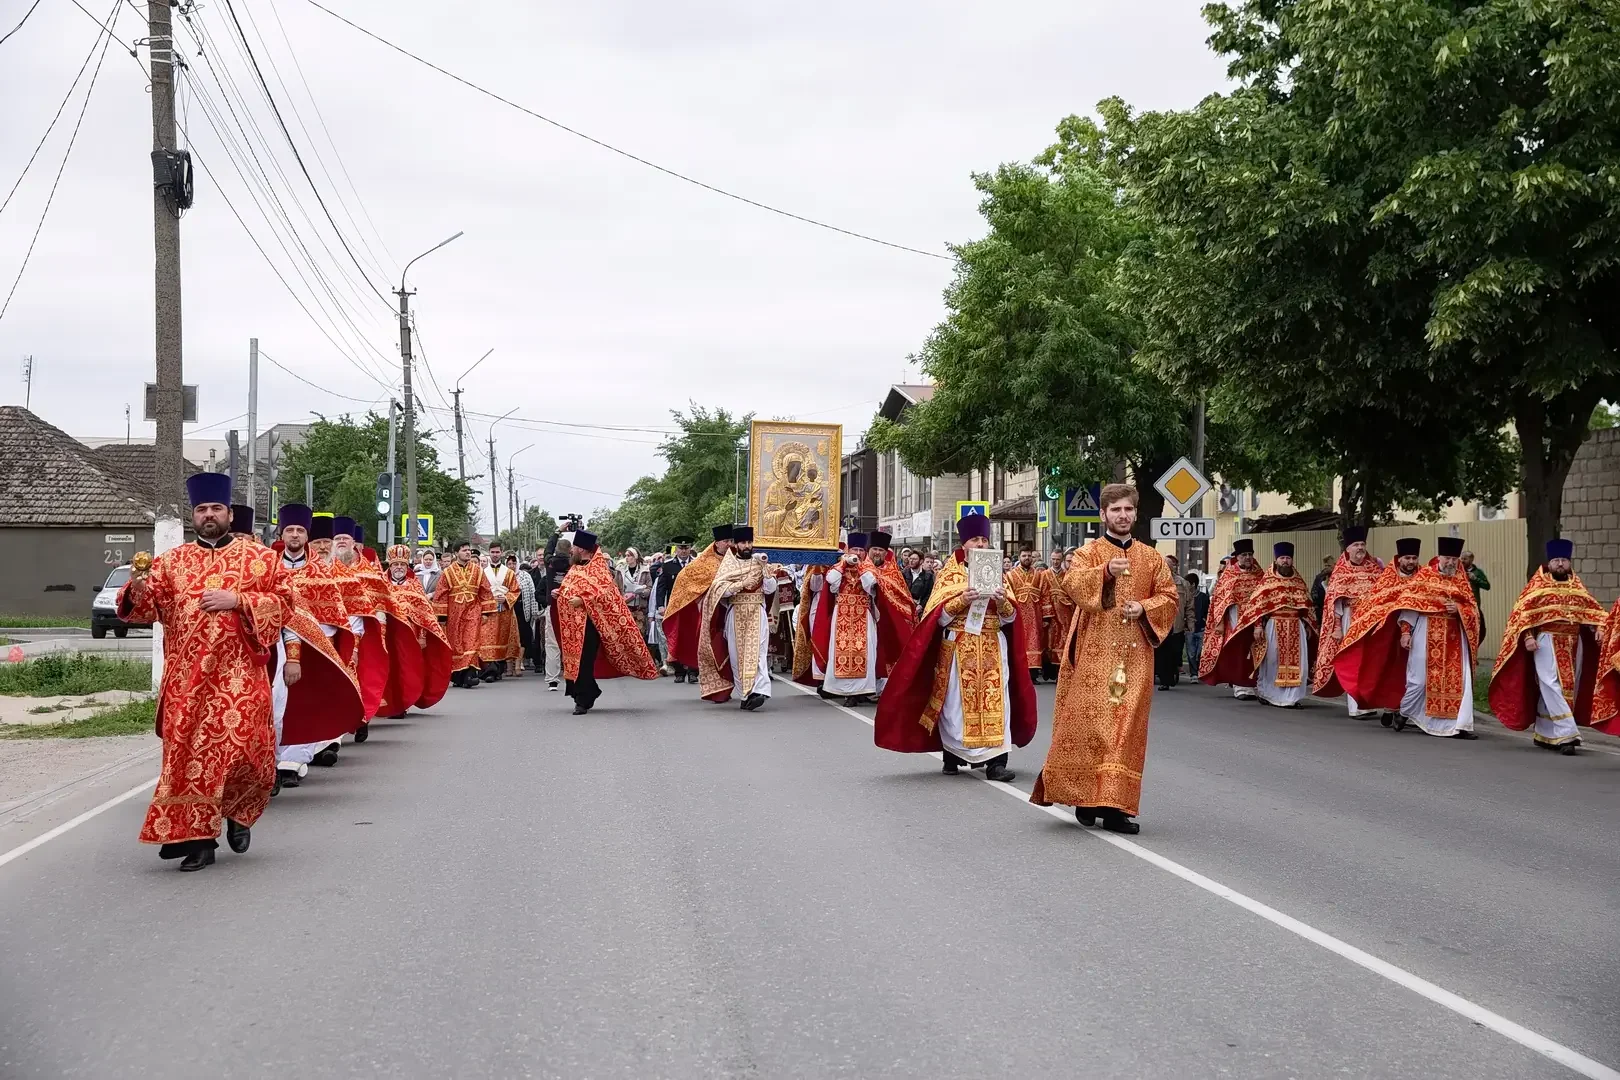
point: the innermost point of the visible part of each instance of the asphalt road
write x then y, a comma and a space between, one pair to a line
672, 889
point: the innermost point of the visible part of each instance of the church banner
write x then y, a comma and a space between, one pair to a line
794, 484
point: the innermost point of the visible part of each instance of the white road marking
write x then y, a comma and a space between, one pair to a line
44, 838
1570, 1059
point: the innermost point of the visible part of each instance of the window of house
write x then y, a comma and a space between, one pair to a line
886, 497
906, 482
1000, 484
925, 493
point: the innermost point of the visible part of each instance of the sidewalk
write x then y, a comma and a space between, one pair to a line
22, 648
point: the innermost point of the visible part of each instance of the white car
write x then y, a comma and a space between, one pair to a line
104, 608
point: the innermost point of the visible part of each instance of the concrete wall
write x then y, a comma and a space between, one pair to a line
1592, 513
57, 571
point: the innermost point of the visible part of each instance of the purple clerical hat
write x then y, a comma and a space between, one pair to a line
293, 514
241, 519
209, 487
973, 527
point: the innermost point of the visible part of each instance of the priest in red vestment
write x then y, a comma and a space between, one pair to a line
369, 661
1028, 591
1232, 590
419, 673
1274, 640
222, 603
464, 594
682, 616
1606, 694
600, 638
897, 614
960, 687
1355, 575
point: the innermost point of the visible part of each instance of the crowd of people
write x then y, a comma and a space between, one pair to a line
276, 657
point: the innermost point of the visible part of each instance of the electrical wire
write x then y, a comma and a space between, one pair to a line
570, 487
257, 71
105, 41
346, 397
59, 108
559, 125
19, 25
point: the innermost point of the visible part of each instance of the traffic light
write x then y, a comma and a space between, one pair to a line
385, 495
1052, 484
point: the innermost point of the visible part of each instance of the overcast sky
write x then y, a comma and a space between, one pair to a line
610, 292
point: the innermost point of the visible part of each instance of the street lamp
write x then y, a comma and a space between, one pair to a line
410, 406
469, 371
511, 486
461, 453
495, 474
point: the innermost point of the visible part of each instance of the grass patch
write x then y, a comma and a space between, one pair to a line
45, 620
73, 673
135, 718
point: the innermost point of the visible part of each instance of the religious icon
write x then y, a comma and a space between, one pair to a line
793, 502
984, 570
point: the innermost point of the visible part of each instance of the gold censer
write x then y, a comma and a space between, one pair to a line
141, 565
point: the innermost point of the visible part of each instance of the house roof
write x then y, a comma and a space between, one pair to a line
49, 478
1020, 509
136, 461
902, 395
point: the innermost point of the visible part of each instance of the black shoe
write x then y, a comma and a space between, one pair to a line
753, 702
852, 701
1385, 719
998, 771
1086, 815
581, 710
1465, 735
363, 733
275, 789
327, 757
197, 860
238, 836
1115, 821
952, 765
1569, 749
1399, 722
288, 778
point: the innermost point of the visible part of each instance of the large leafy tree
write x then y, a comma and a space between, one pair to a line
696, 490
345, 455
1396, 237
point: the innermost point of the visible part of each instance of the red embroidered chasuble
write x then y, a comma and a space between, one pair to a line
464, 591
624, 649
1572, 616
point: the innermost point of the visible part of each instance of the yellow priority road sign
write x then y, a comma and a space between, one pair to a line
1182, 486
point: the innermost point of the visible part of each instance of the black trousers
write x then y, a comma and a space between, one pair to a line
526, 636
585, 690
1167, 660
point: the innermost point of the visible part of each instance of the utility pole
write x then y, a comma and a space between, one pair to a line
511, 496
168, 457
494, 493
405, 295
28, 382
309, 490
253, 424
385, 529
461, 453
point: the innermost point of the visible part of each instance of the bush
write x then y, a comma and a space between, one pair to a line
73, 673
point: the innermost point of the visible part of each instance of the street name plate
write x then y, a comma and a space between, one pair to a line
1183, 528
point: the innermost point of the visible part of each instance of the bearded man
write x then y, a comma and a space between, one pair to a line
1411, 646
315, 699
897, 612
1028, 591
682, 616
1546, 674
809, 651
499, 644
1232, 590
361, 597
600, 638
1271, 646
1355, 575
463, 593
733, 652
420, 672
222, 603
954, 690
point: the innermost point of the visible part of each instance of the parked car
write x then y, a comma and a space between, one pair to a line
104, 608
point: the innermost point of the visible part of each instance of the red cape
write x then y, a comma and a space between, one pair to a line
325, 702
1373, 669
911, 683
1515, 690
681, 632
373, 668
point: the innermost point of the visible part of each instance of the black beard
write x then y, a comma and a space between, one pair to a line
211, 530
1561, 575
743, 552
1285, 571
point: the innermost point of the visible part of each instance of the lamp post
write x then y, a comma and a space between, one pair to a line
495, 477
511, 487
410, 406
461, 454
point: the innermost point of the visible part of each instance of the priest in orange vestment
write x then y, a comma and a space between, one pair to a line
222, 603
600, 638
897, 612
420, 672
364, 600
683, 617
1606, 694
1271, 647
464, 593
734, 652
1028, 589
1547, 672
1232, 590
1354, 576
1125, 603
959, 689
1410, 649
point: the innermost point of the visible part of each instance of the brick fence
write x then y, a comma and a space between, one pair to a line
1592, 513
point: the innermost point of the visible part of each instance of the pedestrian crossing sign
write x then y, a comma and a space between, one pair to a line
1043, 515
424, 528
968, 508
1080, 504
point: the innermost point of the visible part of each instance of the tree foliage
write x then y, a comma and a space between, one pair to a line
531, 532
695, 492
345, 456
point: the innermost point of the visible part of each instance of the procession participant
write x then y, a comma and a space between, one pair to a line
1546, 673
683, 621
556, 573
1606, 694
1232, 590
1048, 578
663, 584
464, 592
315, 699
897, 614
1034, 603
222, 604
242, 522
809, 649
421, 679
526, 611
734, 650
1354, 576
1411, 646
954, 690
1057, 631
369, 660
427, 572
498, 645
600, 639
849, 625
1125, 601
1167, 657
1271, 646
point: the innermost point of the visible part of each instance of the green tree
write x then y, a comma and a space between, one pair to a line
1402, 225
345, 455
531, 532
695, 492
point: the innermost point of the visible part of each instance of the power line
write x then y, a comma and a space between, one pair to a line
72, 139
346, 397
571, 487
559, 125
19, 25
231, 9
